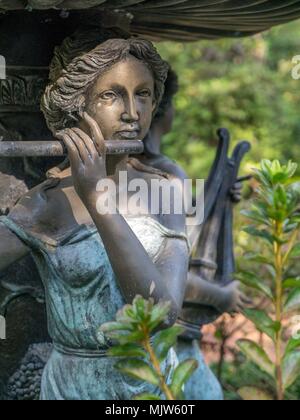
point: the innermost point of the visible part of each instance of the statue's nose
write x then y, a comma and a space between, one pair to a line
130, 111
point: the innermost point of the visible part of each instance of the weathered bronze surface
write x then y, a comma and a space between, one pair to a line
87, 258
11, 149
21, 292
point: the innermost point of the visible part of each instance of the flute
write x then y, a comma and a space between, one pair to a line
17, 149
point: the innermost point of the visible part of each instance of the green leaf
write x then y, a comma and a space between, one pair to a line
256, 216
295, 219
138, 369
147, 397
295, 251
126, 315
127, 350
279, 178
249, 279
293, 344
142, 308
125, 338
134, 337
257, 355
291, 369
291, 283
280, 196
263, 322
271, 271
115, 326
182, 374
293, 301
277, 214
139, 305
266, 166
166, 339
251, 393
258, 258
291, 169
294, 180
251, 230
159, 314
277, 173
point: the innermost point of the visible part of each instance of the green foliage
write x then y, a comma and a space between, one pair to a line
242, 373
181, 375
276, 223
251, 393
257, 355
244, 85
142, 349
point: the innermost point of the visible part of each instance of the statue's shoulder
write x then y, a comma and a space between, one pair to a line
35, 206
170, 219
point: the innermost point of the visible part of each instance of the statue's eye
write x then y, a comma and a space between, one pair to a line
109, 95
144, 93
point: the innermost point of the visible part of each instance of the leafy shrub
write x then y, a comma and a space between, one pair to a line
276, 224
142, 352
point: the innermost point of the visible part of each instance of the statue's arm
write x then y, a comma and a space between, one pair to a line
163, 280
11, 248
224, 299
136, 273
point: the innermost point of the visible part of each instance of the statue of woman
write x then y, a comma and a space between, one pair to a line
91, 262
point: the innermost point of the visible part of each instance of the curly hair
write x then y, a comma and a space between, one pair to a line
77, 65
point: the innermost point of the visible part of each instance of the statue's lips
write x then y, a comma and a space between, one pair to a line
129, 135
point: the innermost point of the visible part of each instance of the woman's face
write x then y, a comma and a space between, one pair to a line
122, 101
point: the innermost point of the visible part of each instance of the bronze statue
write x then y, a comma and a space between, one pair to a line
20, 120
93, 263
99, 91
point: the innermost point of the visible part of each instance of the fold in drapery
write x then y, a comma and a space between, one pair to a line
185, 20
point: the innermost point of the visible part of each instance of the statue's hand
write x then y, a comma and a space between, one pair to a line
234, 300
87, 158
236, 192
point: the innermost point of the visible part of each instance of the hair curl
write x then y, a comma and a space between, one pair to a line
77, 65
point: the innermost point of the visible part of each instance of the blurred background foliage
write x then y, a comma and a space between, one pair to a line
244, 85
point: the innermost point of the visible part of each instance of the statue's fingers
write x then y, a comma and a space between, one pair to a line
97, 135
88, 142
73, 152
82, 150
236, 197
246, 300
237, 186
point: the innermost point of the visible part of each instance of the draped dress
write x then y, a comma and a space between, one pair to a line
82, 293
